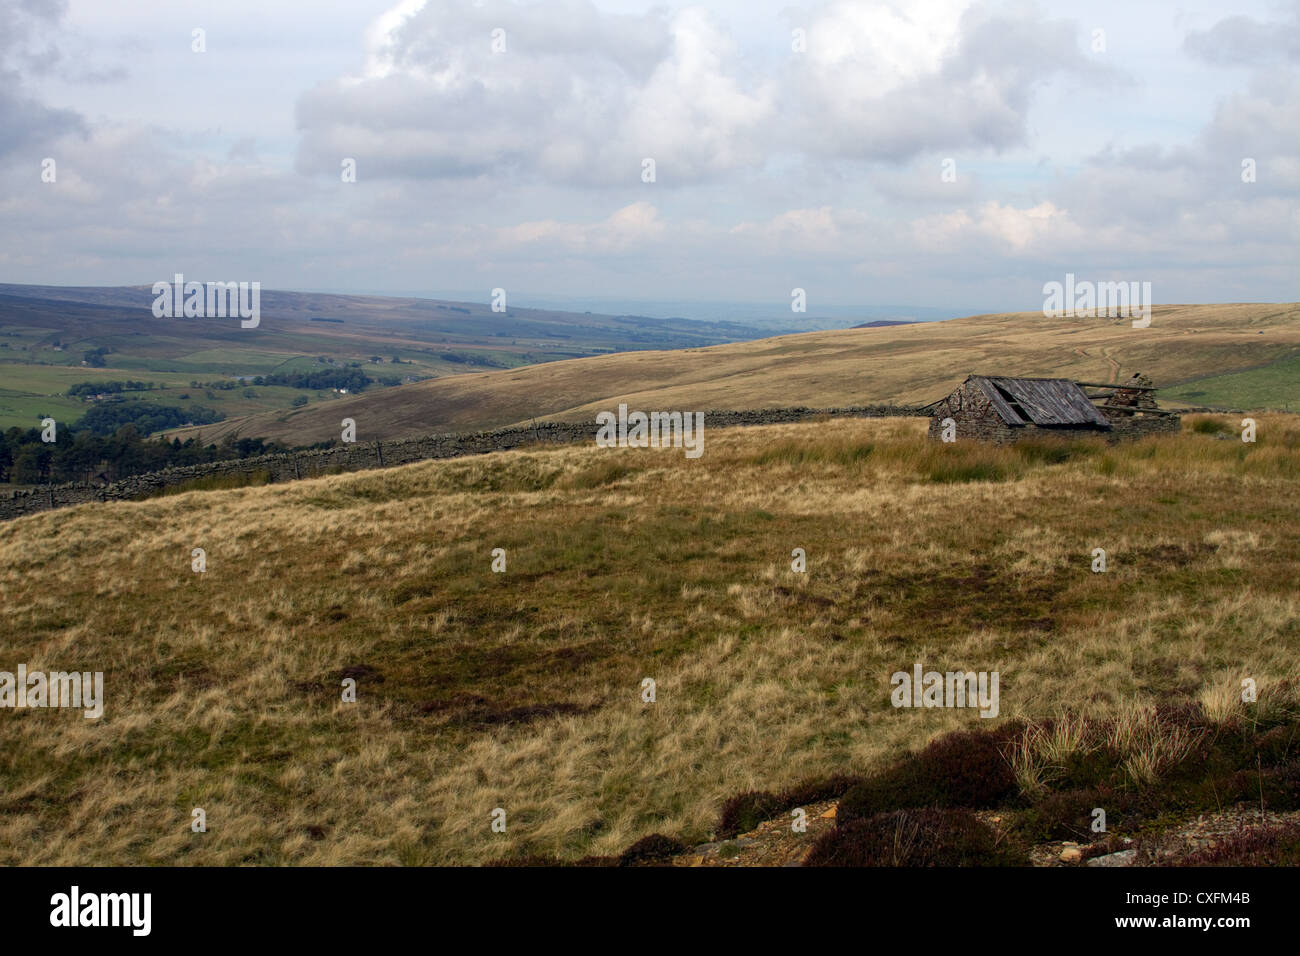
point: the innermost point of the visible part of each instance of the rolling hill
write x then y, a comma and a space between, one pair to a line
47, 331
903, 364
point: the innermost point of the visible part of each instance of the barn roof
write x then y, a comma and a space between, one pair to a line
1041, 401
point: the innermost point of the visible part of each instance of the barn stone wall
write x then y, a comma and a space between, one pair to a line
975, 416
1124, 426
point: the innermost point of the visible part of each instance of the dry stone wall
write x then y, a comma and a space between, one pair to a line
358, 456
993, 429
1136, 426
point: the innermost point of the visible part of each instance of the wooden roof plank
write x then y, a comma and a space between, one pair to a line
1045, 401
1004, 410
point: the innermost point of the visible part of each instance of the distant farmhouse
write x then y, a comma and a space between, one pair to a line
996, 409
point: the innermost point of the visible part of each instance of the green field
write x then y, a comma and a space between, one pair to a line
1275, 386
28, 393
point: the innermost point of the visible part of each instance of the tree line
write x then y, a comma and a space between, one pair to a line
79, 454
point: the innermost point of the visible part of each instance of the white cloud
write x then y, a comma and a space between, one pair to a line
581, 96
633, 225
577, 96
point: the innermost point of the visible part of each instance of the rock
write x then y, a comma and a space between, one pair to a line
1122, 858
1071, 854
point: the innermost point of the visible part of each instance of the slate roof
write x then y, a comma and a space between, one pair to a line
1039, 401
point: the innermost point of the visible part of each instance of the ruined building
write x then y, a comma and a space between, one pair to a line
999, 409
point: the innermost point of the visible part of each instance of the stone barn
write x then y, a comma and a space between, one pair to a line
1000, 409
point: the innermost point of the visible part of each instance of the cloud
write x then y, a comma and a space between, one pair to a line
624, 229
1245, 41
574, 96
578, 96
1017, 230
801, 232
886, 83
25, 122
775, 169
1197, 190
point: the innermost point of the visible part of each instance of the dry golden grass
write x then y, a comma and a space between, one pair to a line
522, 690
902, 364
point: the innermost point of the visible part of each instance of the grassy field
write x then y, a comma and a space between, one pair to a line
522, 690
31, 392
1275, 386
906, 364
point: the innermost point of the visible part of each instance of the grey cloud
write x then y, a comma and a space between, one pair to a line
1245, 41
1152, 184
979, 98
439, 103
26, 47
581, 97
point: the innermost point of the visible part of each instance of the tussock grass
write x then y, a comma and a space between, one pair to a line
839, 450
522, 690
1144, 767
1208, 425
217, 483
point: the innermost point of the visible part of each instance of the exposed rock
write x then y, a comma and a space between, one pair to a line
1122, 858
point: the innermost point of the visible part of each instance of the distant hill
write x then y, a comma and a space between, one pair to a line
100, 314
881, 323
907, 364
47, 331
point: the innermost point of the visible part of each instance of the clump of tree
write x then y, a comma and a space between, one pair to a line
81, 455
471, 358
351, 379
220, 385
146, 417
83, 389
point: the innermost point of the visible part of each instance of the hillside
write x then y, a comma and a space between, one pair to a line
46, 331
902, 364
522, 690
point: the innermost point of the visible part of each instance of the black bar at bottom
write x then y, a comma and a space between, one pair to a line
363, 905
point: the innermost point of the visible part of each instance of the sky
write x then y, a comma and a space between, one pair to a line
943, 154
